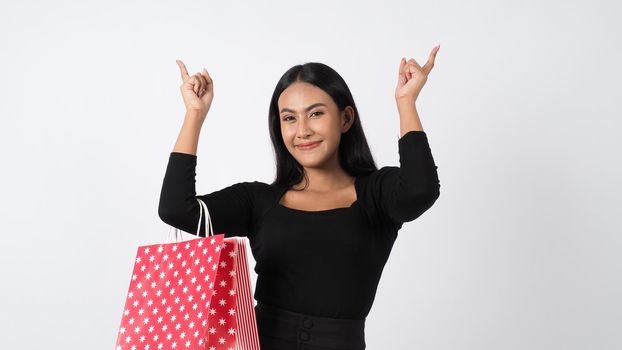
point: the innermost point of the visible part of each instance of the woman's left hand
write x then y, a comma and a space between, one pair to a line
412, 77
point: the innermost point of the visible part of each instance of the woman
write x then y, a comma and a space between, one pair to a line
323, 230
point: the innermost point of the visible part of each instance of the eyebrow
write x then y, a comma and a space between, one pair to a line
306, 109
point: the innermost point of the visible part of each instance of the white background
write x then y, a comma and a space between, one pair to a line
521, 251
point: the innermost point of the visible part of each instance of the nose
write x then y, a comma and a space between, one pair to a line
303, 128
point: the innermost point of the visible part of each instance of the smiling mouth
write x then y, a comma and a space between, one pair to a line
309, 146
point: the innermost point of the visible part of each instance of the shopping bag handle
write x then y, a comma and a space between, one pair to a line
202, 207
208, 218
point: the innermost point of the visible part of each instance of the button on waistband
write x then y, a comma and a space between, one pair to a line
304, 335
307, 323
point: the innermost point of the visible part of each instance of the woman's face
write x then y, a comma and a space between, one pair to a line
308, 114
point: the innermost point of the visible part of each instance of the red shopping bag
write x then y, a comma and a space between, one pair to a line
193, 294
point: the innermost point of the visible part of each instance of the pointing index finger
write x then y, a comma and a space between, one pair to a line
430, 63
184, 71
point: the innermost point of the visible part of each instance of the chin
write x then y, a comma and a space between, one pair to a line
308, 164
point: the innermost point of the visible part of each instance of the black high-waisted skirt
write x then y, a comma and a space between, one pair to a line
281, 329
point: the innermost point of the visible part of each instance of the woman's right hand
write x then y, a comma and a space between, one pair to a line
197, 90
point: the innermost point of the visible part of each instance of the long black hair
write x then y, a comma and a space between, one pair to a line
354, 154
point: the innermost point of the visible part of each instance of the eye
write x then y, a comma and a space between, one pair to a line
289, 116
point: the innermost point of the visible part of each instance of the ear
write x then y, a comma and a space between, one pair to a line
347, 118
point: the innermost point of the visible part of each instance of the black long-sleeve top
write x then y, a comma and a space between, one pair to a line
325, 263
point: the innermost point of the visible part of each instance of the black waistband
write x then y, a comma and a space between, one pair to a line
321, 331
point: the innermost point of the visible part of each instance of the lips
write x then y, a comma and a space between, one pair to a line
309, 145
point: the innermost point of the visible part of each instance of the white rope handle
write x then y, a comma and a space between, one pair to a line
202, 207
208, 218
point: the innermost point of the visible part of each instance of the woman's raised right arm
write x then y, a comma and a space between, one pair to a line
231, 208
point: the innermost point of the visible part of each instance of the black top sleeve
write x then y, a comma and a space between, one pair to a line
403, 193
230, 208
